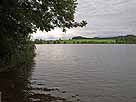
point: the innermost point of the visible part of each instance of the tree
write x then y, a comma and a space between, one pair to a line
26, 16
20, 18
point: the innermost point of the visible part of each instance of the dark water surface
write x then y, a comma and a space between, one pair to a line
85, 73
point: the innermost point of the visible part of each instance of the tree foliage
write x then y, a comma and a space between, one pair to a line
25, 16
20, 18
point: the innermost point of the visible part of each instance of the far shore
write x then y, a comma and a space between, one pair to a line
129, 39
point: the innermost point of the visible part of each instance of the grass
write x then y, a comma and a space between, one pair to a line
84, 41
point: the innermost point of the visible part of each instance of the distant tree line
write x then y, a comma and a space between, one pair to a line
129, 39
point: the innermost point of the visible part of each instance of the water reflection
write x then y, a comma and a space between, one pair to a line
17, 86
14, 84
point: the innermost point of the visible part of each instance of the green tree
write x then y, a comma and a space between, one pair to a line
26, 16
20, 18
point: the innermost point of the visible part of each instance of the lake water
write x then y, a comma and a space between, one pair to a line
96, 73
82, 73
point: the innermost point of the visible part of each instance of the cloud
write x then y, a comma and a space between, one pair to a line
52, 35
104, 17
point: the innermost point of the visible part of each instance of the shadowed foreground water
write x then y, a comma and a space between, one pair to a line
81, 73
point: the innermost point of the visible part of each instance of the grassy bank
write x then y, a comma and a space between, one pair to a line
79, 41
89, 41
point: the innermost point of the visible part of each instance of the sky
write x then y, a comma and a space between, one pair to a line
105, 18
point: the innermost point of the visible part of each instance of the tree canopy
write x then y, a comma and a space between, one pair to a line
26, 16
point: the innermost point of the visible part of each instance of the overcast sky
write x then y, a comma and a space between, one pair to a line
105, 18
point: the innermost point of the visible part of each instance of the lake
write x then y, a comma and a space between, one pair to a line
81, 73
97, 73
